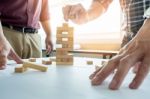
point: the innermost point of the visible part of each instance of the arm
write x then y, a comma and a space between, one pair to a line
48, 41
98, 7
6, 51
135, 53
45, 21
79, 15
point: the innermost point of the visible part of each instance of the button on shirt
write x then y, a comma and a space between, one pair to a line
24, 13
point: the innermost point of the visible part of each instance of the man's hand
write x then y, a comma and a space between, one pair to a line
49, 45
75, 13
48, 42
135, 54
7, 52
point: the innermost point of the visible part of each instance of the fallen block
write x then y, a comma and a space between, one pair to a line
20, 69
90, 62
46, 62
35, 66
32, 59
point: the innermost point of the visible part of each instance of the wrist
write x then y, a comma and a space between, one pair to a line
95, 10
144, 32
48, 35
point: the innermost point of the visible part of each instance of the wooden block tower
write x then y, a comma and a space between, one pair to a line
65, 41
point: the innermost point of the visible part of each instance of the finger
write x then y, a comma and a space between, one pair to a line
136, 67
124, 66
93, 74
129, 47
81, 17
74, 12
48, 49
3, 61
66, 11
107, 70
15, 57
141, 74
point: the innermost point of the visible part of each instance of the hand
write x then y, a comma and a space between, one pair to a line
49, 45
7, 51
76, 13
135, 54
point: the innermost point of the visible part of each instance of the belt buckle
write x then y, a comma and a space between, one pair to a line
23, 29
11, 27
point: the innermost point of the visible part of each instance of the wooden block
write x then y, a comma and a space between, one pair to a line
90, 62
32, 59
65, 25
67, 46
35, 66
64, 63
65, 56
20, 69
46, 62
64, 35
67, 49
64, 60
65, 42
61, 53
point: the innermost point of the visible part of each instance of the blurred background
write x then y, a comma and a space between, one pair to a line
100, 34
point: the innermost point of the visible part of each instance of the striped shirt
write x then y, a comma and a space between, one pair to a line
133, 11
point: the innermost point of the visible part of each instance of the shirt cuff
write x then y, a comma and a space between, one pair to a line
147, 14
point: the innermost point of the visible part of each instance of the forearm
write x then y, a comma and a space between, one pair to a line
2, 37
144, 32
47, 27
97, 8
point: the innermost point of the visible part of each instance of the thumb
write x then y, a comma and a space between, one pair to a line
15, 57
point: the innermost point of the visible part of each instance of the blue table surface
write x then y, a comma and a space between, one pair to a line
64, 82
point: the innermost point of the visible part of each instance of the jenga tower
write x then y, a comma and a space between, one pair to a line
65, 40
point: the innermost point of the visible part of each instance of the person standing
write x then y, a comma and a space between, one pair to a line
21, 20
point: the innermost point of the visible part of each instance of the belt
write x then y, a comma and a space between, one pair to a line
21, 29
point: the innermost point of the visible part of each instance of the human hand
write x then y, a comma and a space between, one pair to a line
49, 45
76, 13
135, 54
6, 51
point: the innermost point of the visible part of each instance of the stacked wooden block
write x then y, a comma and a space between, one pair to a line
65, 40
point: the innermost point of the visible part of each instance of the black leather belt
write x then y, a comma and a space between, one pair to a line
21, 29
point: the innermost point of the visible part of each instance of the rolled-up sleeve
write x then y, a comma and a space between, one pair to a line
45, 14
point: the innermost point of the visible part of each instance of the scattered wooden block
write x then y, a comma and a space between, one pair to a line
35, 66
46, 62
32, 59
20, 69
90, 62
